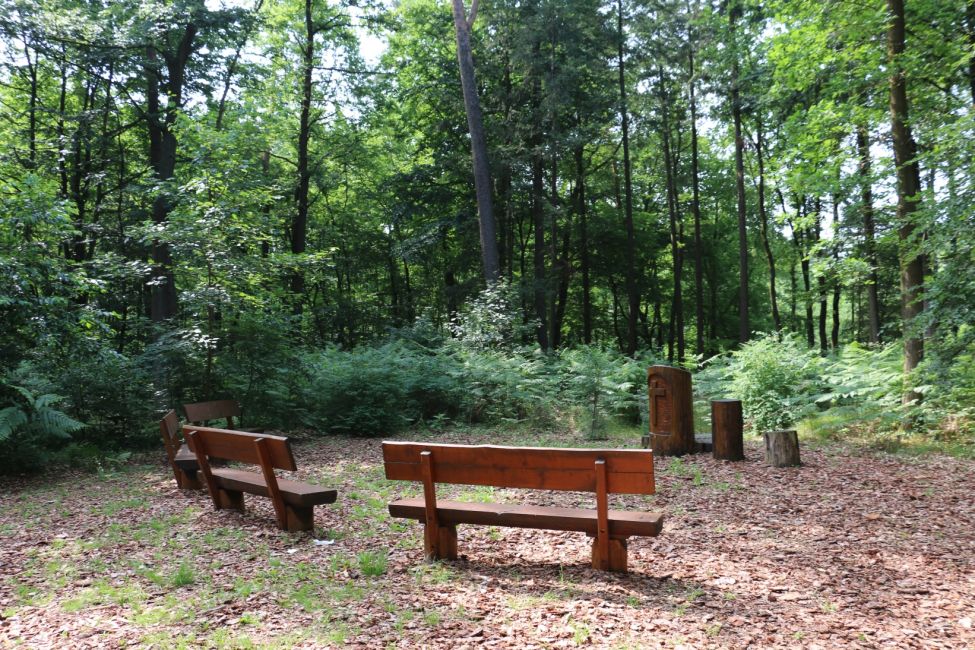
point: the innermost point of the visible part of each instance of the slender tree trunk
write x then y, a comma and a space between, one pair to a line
835, 333
821, 281
908, 189
538, 221
676, 245
744, 327
479, 155
632, 290
299, 225
763, 218
866, 199
584, 262
970, 14
696, 210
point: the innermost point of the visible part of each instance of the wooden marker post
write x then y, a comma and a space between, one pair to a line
727, 427
671, 411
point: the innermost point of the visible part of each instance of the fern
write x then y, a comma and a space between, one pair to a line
11, 418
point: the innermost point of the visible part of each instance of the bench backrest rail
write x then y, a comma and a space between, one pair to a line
203, 412
267, 451
603, 471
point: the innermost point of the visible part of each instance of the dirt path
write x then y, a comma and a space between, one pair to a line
849, 550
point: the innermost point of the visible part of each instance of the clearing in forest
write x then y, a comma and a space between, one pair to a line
853, 549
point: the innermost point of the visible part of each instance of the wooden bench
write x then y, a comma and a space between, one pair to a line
602, 471
204, 413
181, 459
293, 501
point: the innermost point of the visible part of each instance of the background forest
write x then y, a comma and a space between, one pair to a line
275, 200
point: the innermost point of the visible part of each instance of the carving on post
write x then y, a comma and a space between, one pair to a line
671, 411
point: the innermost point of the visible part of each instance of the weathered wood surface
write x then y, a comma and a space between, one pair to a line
203, 413
293, 500
727, 429
671, 429
603, 472
181, 459
782, 448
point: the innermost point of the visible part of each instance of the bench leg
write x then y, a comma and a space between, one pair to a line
447, 538
230, 499
617, 555
299, 518
188, 480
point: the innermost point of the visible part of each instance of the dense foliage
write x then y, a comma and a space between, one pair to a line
254, 199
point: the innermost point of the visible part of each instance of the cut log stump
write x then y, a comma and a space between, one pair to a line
782, 448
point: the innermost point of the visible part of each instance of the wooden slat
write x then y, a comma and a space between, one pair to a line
629, 471
216, 410
239, 446
294, 493
622, 523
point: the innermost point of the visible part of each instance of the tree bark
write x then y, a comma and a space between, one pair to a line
162, 159
584, 261
744, 328
866, 200
632, 291
299, 225
763, 218
696, 210
479, 155
676, 247
908, 188
834, 275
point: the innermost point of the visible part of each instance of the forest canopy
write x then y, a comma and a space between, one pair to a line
357, 215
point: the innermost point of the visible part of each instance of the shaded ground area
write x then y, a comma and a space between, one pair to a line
850, 550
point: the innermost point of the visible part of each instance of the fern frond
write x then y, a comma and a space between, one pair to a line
11, 418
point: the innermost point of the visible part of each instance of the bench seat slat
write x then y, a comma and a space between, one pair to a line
293, 492
622, 523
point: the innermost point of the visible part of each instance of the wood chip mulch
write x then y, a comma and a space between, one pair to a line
850, 550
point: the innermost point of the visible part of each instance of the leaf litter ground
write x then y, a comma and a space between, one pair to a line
852, 550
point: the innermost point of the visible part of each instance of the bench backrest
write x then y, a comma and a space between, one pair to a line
203, 412
240, 446
169, 429
628, 471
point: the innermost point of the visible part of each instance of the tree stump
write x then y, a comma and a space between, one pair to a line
782, 448
727, 427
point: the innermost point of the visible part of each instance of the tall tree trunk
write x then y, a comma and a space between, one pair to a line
696, 210
632, 290
744, 327
584, 262
834, 274
162, 159
970, 14
676, 245
908, 189
299, 225
866, 200
763, 218
538, 258
821, 280
482, 171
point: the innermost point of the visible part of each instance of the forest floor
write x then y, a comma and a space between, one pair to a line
853, 549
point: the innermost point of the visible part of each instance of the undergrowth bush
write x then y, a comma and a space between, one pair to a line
775, 378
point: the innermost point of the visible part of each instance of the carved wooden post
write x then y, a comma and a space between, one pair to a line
782, 448
727, 429
671, 411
